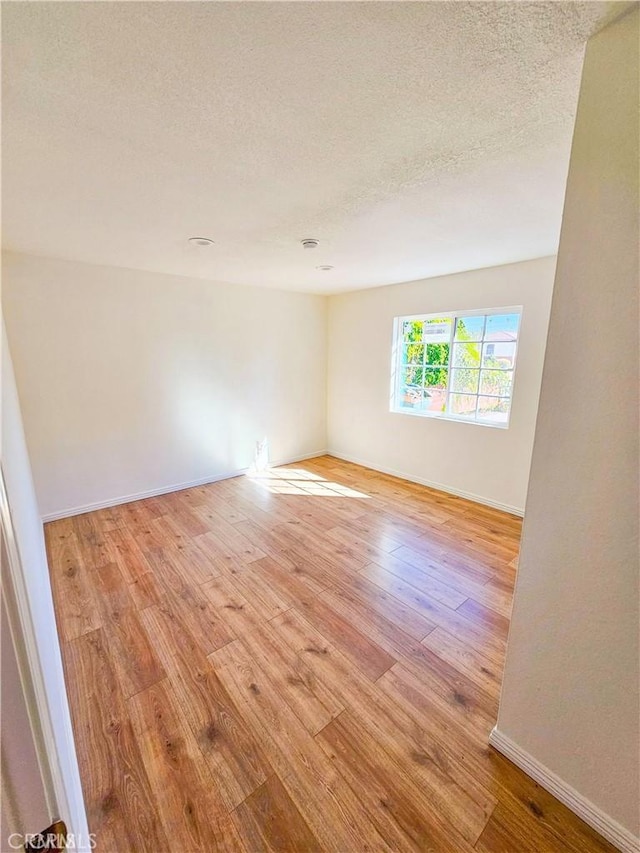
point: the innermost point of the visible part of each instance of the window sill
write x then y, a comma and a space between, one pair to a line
451, 418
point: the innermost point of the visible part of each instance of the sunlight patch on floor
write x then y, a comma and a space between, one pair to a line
297, 481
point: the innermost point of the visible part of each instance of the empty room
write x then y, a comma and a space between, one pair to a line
319, 449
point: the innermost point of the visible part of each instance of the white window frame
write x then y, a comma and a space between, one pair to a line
397, 364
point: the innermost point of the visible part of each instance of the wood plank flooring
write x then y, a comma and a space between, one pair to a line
308, 660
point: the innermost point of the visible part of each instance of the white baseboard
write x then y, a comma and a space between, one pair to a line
176, 487
609, 828
165, 490
470, 496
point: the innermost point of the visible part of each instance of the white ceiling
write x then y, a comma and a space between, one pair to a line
412, 139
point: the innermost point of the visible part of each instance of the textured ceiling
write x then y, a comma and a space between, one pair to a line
412, 139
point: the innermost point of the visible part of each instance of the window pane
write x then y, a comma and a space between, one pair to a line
437, 354
435, 380
413, 354
469, 328
412, 375
410, 395
437, 330
462, 405
502, 327
465, 381
466, 355
499, 356
436, 377
496, 382
493, 410
412, 330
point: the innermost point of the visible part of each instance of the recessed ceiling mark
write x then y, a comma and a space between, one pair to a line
201, 241
325, 267
310, 243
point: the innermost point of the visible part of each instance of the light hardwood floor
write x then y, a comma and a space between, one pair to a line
305, 661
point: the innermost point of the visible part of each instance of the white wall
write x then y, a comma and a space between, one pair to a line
570, 694
37, 621
132, 381
482, 462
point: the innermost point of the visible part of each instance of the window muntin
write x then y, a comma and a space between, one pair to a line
458, 366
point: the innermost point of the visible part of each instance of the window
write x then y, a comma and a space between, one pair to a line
457, 366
